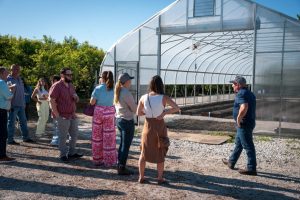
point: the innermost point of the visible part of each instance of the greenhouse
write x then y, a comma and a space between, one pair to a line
197, 46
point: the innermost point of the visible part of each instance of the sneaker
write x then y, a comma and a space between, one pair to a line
6, 159
53, 143
226, 162
124, 171
75, 155
13, 143
64, 159
247, 172
29, 141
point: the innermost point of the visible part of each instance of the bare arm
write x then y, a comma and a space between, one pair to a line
242, 112
140, 108
33, 96
174, 107
93, 101
54, 107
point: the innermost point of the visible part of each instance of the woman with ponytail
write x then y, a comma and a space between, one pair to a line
103, 129
125, 109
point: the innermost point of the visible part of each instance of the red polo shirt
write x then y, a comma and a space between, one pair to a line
63, 95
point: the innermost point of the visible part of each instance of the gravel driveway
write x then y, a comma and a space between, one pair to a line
194, 171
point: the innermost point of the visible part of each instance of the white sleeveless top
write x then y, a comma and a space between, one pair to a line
41, 93
156, 108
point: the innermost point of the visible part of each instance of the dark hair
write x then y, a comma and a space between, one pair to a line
55, 78
156, 85
64, 70
108, 78
2, 69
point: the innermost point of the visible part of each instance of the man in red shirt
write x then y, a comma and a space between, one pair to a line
63, 99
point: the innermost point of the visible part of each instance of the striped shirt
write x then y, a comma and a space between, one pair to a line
63, 95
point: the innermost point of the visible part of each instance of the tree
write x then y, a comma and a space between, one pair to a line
44, 58
298, 17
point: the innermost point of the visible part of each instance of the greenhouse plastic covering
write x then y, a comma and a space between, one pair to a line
239, 37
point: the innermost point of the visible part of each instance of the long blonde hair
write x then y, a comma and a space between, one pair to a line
117, 92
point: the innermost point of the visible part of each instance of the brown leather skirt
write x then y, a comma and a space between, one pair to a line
152, 150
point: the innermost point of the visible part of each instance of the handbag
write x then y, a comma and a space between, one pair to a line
89, 110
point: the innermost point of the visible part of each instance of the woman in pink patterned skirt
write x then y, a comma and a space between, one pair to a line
103, 130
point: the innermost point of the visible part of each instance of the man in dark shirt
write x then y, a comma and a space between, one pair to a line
63, 99
244, 116
17, 107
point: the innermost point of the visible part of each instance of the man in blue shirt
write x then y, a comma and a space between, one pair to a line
17, 107
244, 116
5, 98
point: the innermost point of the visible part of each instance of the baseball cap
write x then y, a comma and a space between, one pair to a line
239, 80
124, 77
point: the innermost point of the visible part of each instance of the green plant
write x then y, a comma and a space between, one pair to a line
263, 138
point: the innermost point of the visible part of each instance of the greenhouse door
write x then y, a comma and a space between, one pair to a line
132, 69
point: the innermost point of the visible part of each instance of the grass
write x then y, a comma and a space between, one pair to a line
263, 138
223, 133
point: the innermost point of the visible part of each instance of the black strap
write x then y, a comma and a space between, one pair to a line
150, 105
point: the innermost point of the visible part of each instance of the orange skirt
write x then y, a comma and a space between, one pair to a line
151, 149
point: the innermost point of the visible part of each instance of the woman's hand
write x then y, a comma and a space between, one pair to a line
161, 116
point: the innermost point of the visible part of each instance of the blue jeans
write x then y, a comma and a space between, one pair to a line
13, 113
244, 140
55, 137
126, 129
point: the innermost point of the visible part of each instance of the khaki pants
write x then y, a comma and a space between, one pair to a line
43, 113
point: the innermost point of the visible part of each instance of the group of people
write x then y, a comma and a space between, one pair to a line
13, 95
114, 106
117, 107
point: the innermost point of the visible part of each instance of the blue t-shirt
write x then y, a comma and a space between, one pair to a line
245, 96
103, 96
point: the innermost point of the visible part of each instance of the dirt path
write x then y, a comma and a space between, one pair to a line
194, 171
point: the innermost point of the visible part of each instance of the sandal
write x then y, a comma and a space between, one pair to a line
143, 180
162, 182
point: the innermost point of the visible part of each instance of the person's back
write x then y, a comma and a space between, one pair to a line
103, 96
103, 128
245, 96
153, 105
126, 106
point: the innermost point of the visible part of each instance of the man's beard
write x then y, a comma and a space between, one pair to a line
68, 80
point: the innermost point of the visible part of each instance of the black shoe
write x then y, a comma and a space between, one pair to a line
13, 143
64, 159
226, 162
6, 159
247, 172
29, 141
124, 171
75, 155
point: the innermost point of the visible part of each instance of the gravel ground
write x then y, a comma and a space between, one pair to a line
194, 171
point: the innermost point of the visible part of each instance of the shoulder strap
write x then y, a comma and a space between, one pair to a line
149, 103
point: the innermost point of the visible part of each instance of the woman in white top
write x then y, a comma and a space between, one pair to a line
155, 141
40, 95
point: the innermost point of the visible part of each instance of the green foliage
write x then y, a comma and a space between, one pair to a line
189, 90
298, 16
44, 58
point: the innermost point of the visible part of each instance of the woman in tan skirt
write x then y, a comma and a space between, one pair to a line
155, 141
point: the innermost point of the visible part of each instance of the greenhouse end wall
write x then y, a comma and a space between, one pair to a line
197, 56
